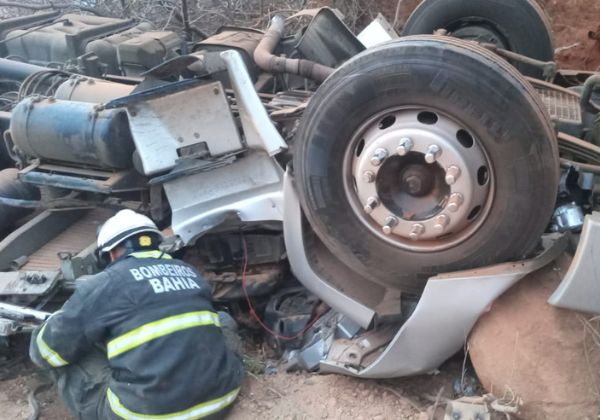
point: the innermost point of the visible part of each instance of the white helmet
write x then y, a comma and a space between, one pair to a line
121, 226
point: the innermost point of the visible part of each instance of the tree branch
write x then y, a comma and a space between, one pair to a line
53, 6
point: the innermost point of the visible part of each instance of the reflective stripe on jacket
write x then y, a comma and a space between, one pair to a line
163, 339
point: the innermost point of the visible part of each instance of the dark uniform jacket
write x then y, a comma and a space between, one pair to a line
162, 336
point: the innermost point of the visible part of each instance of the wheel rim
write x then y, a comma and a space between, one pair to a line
479, 30
418, 179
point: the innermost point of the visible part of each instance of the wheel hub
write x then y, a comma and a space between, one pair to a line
479, 31
417, 180
417, 176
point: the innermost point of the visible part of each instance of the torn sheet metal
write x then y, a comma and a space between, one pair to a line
300, 266
448, 309
377, 32
250, 187
259, 131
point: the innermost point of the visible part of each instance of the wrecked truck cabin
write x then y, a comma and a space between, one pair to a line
355, 190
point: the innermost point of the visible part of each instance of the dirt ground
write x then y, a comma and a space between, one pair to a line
299, 396
280, 396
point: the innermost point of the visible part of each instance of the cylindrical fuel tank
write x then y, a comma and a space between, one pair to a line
75, 132
11, 187
87, 89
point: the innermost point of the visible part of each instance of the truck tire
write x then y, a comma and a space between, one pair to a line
362, 151
520, 26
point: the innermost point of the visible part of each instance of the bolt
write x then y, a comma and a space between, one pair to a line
452, 174
416, 231
433, 152
441, 222
414, 184
456, 415
369, 177
390, 223
216, 91
405, 146
379, 156
372, 203
455, 202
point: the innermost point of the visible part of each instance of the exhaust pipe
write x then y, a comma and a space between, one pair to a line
266, 60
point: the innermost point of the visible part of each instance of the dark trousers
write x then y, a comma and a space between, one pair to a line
82, 386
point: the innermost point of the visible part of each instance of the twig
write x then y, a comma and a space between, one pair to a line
568, 47
169, 19
403, 398
274, 391
437, 402
464, 368
253, 375
397, 14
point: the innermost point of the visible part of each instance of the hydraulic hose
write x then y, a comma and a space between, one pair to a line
15, 70
591, 84
266, 60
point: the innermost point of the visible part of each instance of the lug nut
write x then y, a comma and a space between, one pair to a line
433, 152
441, 222
416, 231
452, 174
405, 146
369, 177
390, 224
455, 202
379, 156
371, 205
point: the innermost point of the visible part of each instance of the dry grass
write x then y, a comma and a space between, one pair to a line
205, 16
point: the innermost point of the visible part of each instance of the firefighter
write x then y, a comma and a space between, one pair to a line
140, 340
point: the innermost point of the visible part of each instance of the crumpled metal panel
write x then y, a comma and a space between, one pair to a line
259, 131
580, 287
294, 243
250, 187
446, 313
328, 41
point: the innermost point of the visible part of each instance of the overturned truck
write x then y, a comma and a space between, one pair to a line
395, 181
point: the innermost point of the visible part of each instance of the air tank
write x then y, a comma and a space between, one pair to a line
80, 134
87, 89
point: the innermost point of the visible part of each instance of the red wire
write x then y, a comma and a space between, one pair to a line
253, 311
